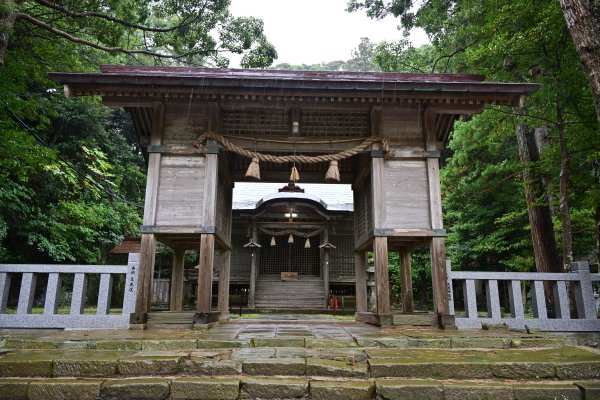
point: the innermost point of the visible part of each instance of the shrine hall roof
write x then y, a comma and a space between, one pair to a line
249, 195
126, 80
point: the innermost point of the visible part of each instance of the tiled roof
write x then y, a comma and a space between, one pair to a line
335, 197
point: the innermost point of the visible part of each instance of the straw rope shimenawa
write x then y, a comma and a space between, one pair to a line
254, 171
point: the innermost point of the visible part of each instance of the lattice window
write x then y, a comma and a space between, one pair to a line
334, 123
341, 259
285, 257
260, 121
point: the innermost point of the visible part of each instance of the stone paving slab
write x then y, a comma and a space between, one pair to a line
59, 389
265, 388
155, 388
342, 390
139, 389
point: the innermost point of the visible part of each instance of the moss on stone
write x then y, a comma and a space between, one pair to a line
320, 367
286, 388
138, 389
59, 389
341, 390
204, 389
13, 389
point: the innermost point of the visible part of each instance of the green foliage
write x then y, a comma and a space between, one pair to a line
72, 174
191, 32
485, 211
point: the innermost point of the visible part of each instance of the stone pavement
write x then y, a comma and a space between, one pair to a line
327, 359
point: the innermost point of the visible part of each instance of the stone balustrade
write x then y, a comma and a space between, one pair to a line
50, 318
511, 293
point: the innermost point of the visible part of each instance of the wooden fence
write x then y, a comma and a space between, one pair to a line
50, 318
533, 313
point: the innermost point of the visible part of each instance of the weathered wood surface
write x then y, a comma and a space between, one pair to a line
406, 281
181, 191
407, 194
176, 297
145, 273
360, 265
207, 254
302, 293
209, 207
404, 125
223, 295
382, 283
184, 122
378, 192
160, 290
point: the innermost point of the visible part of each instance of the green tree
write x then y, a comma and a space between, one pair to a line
513, 41
189, 32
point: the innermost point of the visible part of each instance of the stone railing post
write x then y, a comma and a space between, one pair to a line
131, 283
584, 293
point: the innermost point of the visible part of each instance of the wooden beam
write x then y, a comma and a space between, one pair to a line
207, 254
224, 270
360, 271
406, 282
176, 294
382, 284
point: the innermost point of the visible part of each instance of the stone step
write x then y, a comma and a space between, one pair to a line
467, 342
223, 388
566, 363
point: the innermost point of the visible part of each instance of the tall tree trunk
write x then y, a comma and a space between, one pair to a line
542, 140
583, 20
540, 218
597, 217
564, 189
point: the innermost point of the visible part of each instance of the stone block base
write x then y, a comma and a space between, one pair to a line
383, 320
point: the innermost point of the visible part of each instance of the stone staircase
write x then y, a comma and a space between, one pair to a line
306, 293
170, 365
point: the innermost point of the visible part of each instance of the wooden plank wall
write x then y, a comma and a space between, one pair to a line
180, 190
406, 194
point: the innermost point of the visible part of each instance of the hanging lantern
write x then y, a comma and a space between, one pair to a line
291, 239
307, 243
273, 243
253, 171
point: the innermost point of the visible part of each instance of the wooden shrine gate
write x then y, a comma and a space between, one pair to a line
201, 128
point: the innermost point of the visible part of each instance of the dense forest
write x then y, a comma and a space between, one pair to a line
72, 175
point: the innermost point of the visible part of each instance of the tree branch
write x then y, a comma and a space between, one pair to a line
74, 39
128, 24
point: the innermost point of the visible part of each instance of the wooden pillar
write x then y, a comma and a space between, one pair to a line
360, 271
382, 284
176, 292
148, 244
326, 268
253, 271
207, 242
406, 282
205, 269
145, 275
439, 274
224, 266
